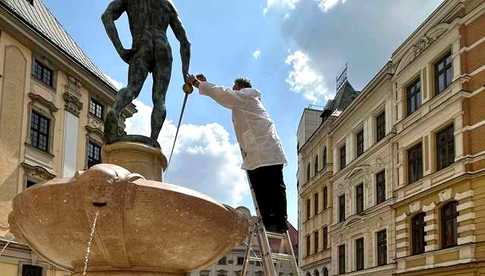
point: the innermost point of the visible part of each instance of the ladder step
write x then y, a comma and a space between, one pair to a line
274, 256
273, 235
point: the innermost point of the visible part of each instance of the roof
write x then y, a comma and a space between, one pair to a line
42, 21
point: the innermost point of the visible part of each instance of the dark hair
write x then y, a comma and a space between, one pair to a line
243, 83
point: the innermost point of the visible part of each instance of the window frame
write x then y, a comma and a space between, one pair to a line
381, 247
359, 142
359, 198
40, 71
94, 144
449, 221
36, 130
316, 241
418, 241
324, 157
308, 172
341, 259
315, 203
325, 197
380, 126
412, 157
308, 245
447, 68
94, 107
359, 254
380, 179
342, 156
447, 136
414, 96
341, 208
308, 208
325, 237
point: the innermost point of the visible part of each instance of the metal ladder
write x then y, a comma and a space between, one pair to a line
267, 258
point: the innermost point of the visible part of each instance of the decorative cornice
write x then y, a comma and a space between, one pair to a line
72, 103
38, 171
38, 98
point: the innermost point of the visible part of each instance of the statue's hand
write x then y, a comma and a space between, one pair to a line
127, 54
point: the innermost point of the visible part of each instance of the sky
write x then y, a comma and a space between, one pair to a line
291, 50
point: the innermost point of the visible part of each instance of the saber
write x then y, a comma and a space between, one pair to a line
188, 89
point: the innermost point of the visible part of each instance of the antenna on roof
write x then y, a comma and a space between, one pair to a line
342, 77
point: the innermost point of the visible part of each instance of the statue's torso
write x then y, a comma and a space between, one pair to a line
148, 19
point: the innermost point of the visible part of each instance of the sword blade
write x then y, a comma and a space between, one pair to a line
186, 97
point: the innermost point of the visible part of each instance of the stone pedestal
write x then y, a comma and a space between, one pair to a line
137, 158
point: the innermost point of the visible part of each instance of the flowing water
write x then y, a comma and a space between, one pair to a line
6, 245
90, 243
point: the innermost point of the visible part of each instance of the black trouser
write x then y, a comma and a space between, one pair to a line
269, 187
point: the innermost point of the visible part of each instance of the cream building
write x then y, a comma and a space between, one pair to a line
391, 180
52, 103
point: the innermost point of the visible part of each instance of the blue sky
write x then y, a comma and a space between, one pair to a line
292, 51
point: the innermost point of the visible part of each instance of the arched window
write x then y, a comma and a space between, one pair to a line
316, 273
325, 197
417, 228
324, 271
449, 225
308, 172
324, 157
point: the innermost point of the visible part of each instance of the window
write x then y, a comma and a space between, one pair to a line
413, 96
31, 270
444, 73
415, 163
343, 157
324, 156
325, 198
308, 172
42, 73
445, 147
324, 271
39, 131
240, 260
325, 237
308, 252
96, 109
381, 248
94, 154
315, 203
360, 142
417, 228
30, 183
341, 259
359, 198
316, 273
381, 126
380, 187
341, 208
316, 164
315, 241
449, 225
222, 261
359, 254
308, 207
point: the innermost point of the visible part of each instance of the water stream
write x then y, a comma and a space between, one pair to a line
9, 241
90, 244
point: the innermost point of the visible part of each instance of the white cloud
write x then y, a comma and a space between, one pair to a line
257, 54
204, 158
325, 5
117, 84
304, 79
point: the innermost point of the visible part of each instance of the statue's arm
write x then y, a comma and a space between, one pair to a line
112, 13
181, 35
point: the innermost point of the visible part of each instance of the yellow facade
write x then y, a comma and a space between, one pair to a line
454, 34
64, 100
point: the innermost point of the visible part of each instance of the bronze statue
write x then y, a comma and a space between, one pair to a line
150, 53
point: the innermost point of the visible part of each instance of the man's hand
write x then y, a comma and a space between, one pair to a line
195, 81
127, 54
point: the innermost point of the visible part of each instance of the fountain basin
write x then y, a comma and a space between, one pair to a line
144, 227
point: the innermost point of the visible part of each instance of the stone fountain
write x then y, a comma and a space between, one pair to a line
144, 227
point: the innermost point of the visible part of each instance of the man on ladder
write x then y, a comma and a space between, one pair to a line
262, 153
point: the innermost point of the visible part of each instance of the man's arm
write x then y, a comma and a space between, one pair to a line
223, 96
112, 13
181, 35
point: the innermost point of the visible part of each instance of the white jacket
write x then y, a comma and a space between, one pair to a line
255, 131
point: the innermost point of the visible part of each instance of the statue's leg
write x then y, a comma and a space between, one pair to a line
137, 74
161, 80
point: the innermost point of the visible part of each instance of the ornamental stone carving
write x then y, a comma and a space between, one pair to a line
72, 104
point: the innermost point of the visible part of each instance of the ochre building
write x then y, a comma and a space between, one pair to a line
52, 103
392, 180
